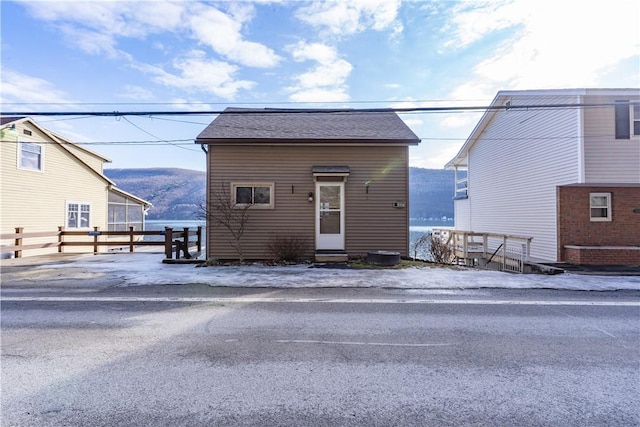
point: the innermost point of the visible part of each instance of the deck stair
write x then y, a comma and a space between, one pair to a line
504, 252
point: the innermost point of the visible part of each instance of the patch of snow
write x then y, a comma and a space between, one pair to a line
147, 269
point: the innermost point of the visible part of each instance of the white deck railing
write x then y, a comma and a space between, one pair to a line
504, 252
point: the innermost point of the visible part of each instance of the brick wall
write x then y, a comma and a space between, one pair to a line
614, 242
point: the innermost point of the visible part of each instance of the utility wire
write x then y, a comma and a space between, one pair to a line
153, 136
312, 110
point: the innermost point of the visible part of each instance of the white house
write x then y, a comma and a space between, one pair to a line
561, 166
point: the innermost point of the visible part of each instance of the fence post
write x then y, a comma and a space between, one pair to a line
504, 253
60, 239
199, 238
168, 242
18, 242
186, 244
95, 240
131, 238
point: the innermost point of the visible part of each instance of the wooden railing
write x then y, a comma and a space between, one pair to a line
504, 252
176, 242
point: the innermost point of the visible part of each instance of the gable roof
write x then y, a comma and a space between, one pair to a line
63, 143
307, 126
460, 159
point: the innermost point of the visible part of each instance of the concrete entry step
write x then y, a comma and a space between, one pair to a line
331, 256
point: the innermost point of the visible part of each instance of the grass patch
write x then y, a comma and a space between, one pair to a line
404, 263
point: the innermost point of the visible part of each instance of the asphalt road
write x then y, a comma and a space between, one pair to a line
200, 356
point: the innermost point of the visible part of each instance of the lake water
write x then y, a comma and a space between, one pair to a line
417, 228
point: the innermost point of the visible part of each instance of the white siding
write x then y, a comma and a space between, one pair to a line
515, 166
462, 215
609, 160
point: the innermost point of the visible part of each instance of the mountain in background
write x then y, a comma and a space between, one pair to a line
431, 193
177, 194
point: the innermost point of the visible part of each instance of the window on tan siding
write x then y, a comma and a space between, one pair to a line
78, 215
30, 156
600, 206
257, 195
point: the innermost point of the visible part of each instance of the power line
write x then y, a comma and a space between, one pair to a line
386, 101
314, 110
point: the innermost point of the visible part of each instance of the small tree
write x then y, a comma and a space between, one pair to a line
436, 249
225, 213
441, 251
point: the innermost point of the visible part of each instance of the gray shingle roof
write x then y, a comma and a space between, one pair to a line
307, 125
5, 120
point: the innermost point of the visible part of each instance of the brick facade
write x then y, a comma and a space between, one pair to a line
582, 241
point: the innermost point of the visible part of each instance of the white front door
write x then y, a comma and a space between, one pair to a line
330, 215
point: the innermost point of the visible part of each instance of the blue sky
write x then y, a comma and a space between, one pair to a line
189, 55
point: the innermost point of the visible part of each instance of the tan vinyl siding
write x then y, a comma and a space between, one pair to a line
515, 166
94, 161
608, 160
37, 200
371, 223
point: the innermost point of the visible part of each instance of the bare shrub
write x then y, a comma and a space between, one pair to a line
434, 249
286, 248
441, 252
421, 246
225, 213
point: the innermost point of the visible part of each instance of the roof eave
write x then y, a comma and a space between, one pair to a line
300, 142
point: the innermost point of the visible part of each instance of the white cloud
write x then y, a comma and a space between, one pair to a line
345, 17
187, 105
324, 82
197, 73
557, 45
472, 20
25, 89
94, 27
222, 33
137, 93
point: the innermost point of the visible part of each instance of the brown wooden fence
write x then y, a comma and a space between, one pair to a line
177, 242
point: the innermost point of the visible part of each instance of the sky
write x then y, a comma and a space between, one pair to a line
152, 56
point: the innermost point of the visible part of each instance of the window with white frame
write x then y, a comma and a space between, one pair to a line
257, 195
30, 156
627, 119
78, 215
600, 206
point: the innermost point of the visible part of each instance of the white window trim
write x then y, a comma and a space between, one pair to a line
632, 106
19, 156
597, 218
271, 187
66, 215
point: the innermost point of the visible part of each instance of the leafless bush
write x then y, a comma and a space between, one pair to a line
421, 246
433, 248
441, 252
225, 213
286, 248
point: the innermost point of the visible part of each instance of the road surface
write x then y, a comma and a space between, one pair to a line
201, 356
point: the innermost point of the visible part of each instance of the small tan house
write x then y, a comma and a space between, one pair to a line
47, 181
337, 180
